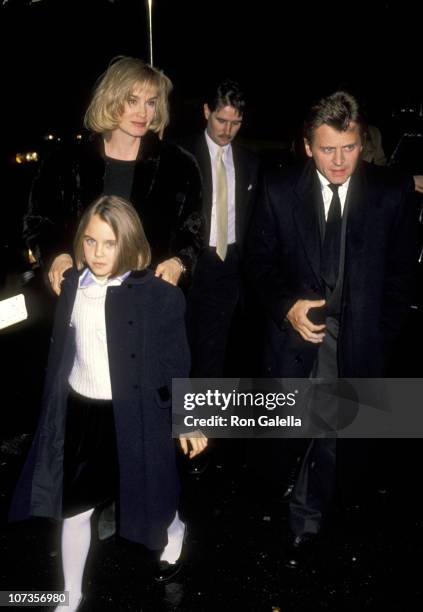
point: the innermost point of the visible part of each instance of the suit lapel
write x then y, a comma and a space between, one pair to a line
201, 153
306, 214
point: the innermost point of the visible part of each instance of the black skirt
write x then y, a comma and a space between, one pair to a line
90, 476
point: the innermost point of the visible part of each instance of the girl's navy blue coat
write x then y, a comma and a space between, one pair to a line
147, 347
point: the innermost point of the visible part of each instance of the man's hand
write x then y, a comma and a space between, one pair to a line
59, 266
197, 444
170, 270
297, 316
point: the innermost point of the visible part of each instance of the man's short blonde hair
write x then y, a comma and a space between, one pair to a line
116, 86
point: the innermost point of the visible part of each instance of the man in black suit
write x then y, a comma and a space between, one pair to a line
215, 304
332, 254
229, 174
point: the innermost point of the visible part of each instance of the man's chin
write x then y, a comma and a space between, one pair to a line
338, 178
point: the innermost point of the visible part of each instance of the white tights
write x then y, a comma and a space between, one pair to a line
175, 535
76, 540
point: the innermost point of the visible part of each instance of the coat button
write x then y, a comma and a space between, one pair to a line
130, 322
133, 355
298, 359
136, 387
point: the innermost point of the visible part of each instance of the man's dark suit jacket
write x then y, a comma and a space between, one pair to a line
283, 261
246, 177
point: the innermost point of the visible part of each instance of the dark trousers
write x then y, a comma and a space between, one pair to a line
315, 486
211, 305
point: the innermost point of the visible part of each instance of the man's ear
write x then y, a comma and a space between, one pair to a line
308, 148
207, 111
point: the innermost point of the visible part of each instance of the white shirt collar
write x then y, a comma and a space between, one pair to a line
87, 278
324, 182
214, 148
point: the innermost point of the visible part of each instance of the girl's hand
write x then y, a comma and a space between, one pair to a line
197, 444
170, 270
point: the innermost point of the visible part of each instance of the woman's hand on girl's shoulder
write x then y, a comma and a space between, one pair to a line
59, 266
193, 444
170, 270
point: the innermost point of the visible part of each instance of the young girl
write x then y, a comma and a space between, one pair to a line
105, 430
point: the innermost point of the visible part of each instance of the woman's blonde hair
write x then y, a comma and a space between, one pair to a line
116, 86
133, 250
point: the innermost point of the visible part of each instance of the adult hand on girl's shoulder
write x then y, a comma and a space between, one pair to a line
193, 444
60, 264
170, 270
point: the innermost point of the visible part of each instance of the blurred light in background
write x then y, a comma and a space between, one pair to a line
28, 157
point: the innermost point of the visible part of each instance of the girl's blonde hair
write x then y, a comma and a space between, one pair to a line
133, 250
116, 86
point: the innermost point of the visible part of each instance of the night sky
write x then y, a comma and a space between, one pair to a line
284, 54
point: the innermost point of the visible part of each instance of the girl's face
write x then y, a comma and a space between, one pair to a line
100, 247
139, 111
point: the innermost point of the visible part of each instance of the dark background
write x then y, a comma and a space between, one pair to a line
285, 55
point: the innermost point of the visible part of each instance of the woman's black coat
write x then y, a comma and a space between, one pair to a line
147, 347
166, 192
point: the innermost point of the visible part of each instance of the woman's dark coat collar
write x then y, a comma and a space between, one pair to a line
149, 150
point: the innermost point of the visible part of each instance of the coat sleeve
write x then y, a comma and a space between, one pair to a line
189, 234
400, 284
264, 263
174, 355
62, 317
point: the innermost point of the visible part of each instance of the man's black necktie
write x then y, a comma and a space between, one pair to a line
332, 242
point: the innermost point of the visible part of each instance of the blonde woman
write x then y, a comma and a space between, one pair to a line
124, 156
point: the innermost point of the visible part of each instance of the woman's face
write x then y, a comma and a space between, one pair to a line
139, 111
